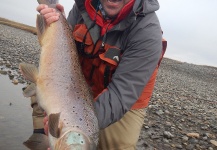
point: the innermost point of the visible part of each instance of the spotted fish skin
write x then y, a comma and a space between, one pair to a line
60, 87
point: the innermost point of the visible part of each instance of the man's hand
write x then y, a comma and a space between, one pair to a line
45, 121
50, 14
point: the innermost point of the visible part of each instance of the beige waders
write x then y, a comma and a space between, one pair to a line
124, 134
37, 114
38, 140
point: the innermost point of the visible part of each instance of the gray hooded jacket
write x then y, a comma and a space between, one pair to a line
139, 37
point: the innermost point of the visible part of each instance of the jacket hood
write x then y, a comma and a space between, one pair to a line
142, 7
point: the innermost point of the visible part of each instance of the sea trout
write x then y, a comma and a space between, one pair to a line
60, 88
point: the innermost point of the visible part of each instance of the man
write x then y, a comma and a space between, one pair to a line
120, 47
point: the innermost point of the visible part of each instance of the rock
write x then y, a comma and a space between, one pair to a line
194, 135
168, 135
8, 65
210, 135
205, 138
190, 147
11, 76
159, 112
15, 81
146, 127
165, 140
3, 72
179, 146
185, 138
193, 141
168, 124
213, 142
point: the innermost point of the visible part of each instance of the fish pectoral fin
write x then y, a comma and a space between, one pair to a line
29, 71
37, 142
53, 122
30, 90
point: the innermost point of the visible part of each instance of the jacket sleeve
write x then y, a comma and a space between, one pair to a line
72, 18
139, 60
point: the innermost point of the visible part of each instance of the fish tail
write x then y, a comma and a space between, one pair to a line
37, 142
48, 2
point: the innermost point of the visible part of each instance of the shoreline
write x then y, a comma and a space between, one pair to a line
18, 25
184, 99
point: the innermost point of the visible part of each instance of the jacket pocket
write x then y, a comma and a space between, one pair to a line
110, 59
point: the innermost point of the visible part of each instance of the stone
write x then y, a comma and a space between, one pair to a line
193, 135
15, 81
213, 142
179, 146
3, 72
159, 112
190, 147
185, 138
168, 135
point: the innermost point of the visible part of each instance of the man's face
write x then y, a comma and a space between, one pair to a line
113, 7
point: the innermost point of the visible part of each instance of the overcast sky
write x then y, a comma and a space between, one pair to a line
190, 26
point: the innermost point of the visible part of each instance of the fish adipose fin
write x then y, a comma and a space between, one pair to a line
37, 142
53, 125
30, 90
29, 71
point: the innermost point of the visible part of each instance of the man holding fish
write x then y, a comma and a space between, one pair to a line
119, 43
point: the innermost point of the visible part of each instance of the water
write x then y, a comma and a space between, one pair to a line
15, 116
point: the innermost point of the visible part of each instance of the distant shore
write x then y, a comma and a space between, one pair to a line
18, 25
182, 113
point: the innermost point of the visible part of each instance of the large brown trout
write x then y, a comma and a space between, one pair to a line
61, 89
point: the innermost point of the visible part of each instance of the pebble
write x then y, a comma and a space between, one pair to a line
168, 124
3, 72
168, 135
179, 146
213, 142
194, 135
159, 112
15, 81
190, 147
185, 138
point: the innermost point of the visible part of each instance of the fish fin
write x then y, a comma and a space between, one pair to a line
29, 71
53, 123
30, 90
40, 26
48, 2
37, 142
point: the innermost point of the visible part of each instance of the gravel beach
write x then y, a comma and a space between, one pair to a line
183, 110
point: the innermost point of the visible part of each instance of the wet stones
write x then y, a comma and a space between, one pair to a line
3, 72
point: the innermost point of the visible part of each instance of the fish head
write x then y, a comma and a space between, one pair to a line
74, 140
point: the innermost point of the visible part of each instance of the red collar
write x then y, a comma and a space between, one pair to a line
104, 24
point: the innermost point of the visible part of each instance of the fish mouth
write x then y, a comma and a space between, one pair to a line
74, 139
